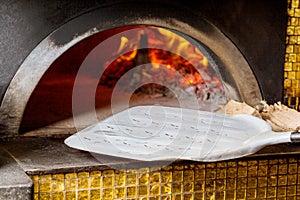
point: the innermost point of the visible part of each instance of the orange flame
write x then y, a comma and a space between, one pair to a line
185, 58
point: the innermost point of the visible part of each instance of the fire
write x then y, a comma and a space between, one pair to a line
185, 58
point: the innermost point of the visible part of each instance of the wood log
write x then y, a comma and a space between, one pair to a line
280, 117
234, 107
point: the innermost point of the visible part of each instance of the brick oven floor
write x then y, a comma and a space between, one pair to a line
52, 110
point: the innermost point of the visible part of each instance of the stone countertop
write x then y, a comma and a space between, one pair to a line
14, 181
37, 155
50, 155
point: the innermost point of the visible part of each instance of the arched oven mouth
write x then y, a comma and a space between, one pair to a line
78, 70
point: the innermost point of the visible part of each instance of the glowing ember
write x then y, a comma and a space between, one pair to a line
196, 74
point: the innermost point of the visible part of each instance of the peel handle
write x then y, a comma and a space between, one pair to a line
295, 136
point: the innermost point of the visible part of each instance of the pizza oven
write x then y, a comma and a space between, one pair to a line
71, 62
68, 64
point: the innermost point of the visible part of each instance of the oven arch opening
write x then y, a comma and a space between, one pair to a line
51, 48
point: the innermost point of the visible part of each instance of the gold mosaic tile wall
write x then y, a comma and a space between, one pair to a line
292, 56
244, 179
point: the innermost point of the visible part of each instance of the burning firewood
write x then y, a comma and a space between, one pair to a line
183, 72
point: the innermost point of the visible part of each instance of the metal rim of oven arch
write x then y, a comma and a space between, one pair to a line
100, 19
